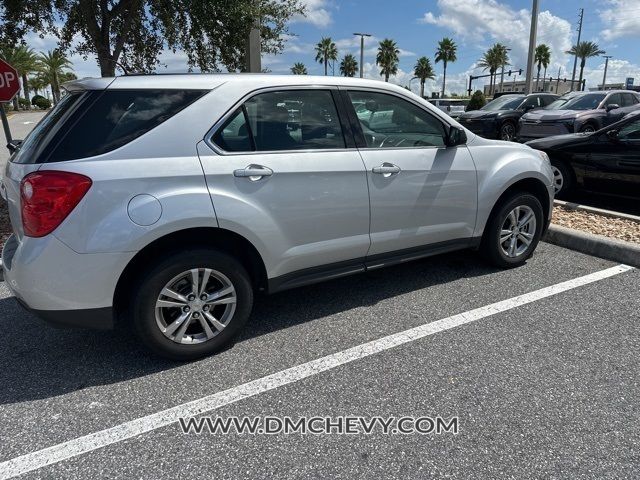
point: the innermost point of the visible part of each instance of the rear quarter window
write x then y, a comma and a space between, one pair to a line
113, 118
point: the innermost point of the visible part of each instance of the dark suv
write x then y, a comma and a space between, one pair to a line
578, 112
499, 118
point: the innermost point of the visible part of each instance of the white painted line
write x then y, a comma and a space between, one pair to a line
78, 446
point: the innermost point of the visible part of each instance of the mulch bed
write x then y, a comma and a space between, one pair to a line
622, 229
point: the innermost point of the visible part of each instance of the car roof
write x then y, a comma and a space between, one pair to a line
211, 81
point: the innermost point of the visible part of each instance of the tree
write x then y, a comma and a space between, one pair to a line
23, 60
387, 58
493, 59
348, 66
477, 101
542, 58
585, 50
424, 71
37, 83
326, 51
446, 53
299, 69
52, 65
131, 34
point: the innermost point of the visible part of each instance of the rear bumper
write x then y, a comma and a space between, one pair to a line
61, 286
93, 318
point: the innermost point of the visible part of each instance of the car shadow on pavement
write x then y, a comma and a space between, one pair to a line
38, 361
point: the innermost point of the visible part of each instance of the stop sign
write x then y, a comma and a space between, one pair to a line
9, 83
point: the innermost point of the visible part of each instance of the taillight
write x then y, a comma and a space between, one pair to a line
47, 197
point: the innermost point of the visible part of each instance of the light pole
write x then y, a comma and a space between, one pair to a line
362, 35
532, 47
604, 77
412, 79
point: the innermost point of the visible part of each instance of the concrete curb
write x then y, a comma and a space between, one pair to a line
596, 211
596, 245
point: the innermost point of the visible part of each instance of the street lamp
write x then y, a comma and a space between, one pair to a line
411, 80
604, 77
362, 35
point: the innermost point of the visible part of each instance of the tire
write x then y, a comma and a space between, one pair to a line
562, 177
498, 253
228, 287
507, 131
588, 128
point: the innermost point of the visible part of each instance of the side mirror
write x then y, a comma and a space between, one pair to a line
612, 135
612, 106
456, 136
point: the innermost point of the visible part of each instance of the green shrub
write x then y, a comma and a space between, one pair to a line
36, 97
477, 101
43, 103
23, 102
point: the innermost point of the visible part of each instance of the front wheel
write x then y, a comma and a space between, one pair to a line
513, 231
562, 178
507, 131
192, 304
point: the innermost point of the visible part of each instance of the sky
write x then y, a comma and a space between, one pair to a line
417, 25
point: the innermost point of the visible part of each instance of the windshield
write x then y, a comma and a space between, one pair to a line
588, 101
29, 149
507, 102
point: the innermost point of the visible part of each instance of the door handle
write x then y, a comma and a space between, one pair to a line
253, 172
386, 169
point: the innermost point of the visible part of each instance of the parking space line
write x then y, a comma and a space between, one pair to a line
81, 445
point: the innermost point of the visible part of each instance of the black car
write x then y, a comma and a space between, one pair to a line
606, 161
578, 112
499, 118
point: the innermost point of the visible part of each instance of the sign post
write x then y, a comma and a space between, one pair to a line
9, 87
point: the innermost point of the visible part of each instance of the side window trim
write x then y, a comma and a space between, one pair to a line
333, 91
252, 139
357, 128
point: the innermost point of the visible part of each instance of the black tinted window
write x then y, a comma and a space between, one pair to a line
117, 117
390, 122
234, 134
293, 120
32, 147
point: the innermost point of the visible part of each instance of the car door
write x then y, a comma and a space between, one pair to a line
614, 162
283, 173
422, 193
617, 113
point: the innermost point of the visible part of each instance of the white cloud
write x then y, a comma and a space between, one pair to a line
617, 72
621, 18
317, 12
486, 21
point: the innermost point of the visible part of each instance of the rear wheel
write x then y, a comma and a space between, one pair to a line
513, 231
588, 128
192, 304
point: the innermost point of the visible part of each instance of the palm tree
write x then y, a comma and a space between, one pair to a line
387, 58
446, 53
490, 61
348, 65
542, 58
23, 59
584, 50
423, 70
52, 65
326, 51
299, 69
37, 83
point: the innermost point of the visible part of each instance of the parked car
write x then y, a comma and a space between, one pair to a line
499, 117
166, 202
606, 161
454, 107
576, 112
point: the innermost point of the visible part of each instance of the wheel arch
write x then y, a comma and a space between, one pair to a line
209, 237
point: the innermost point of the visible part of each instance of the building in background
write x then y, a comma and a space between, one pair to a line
616, 86
558, 88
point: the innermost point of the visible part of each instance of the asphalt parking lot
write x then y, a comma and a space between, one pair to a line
549, 388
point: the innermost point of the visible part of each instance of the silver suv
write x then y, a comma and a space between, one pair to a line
166, 201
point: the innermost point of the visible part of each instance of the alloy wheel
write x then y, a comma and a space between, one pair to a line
195, 306
558, 178
518, 231
507, 132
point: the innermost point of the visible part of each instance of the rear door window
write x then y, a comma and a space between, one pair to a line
114, 118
